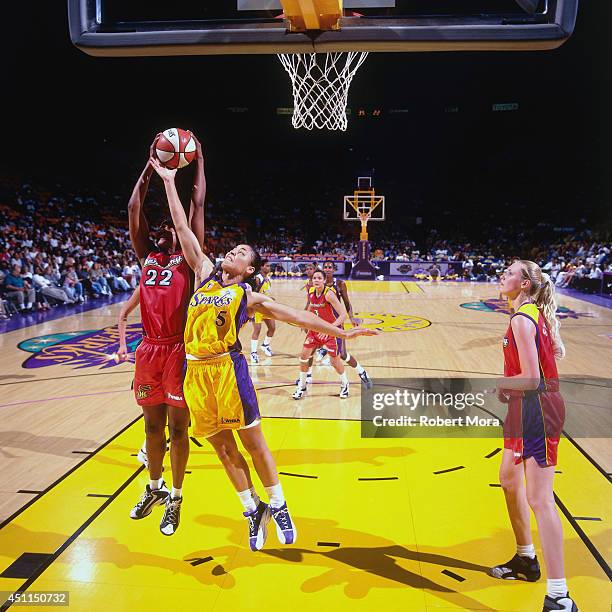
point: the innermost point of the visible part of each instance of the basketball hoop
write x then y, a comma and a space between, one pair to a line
320, 87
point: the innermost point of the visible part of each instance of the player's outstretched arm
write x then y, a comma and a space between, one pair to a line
198, 194
302, 318
197, 261
126, 309
330, 296
139, 228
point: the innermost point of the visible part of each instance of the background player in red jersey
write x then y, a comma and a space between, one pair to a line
532, 428
324, 303
339, 287
310, 269
165, 290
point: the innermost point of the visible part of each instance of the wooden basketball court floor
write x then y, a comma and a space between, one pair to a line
382, 523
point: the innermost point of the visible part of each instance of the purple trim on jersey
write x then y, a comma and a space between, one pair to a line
246, 390
534, 429
208, 279
240, 319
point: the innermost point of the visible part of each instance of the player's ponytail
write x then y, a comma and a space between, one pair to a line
256, 262
544, 296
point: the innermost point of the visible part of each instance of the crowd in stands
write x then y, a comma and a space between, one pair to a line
57, 247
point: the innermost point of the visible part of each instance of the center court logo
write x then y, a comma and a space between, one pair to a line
80, 349
385, 322
501, 306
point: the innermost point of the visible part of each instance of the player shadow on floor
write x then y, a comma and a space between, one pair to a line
375, 560
360, 569
13, 377
60, 446
305, 458
480, 343
286, 458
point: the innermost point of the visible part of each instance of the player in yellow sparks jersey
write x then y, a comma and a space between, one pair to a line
217, 387
262, 285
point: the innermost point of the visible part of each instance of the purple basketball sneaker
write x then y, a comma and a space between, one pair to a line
258, 526
285, 528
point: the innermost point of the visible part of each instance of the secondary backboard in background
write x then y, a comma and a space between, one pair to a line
364, 204
201, 27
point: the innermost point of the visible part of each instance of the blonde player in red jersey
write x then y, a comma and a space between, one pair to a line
219, 391
532, 429
324, 303
165, 290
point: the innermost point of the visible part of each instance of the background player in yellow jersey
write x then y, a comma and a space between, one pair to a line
263, 285
309, 268
217, 387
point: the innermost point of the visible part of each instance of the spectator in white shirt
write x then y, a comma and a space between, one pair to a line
49, 289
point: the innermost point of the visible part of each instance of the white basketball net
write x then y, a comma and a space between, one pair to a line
320, 87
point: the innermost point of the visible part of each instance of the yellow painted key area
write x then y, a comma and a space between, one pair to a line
389, 524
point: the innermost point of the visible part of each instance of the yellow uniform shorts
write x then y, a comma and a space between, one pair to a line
258, 317
220, 394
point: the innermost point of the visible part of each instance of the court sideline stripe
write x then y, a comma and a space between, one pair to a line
28, 583
585, 539
6, 521
588, 457
420, 289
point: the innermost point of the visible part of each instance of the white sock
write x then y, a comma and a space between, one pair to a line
254, 346
556, 587
156, 484
526, 551
246, 497
275, 495
358, 366
344, 378
309, 373
177, 492
303, 379
266, 341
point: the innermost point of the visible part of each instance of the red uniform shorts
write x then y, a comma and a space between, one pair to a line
534, 425
160, 371
314, 340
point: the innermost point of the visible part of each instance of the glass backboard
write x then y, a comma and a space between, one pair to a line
198, 27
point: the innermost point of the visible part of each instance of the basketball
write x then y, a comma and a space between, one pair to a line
175, 148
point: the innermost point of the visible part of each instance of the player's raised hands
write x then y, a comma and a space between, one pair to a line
354, 332
198, 144
166, 174
152, 147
